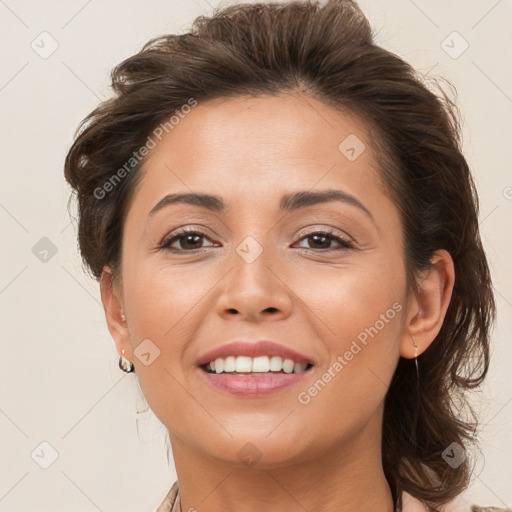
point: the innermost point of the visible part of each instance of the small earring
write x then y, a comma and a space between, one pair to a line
123, 318
126, 365
416, 357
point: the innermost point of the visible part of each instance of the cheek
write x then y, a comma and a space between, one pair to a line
166, 303
362, 308
353, 384
158, 298
161, 305
351, 298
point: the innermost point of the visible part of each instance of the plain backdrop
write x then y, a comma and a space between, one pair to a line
69, 436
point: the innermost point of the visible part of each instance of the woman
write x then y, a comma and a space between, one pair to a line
285, 233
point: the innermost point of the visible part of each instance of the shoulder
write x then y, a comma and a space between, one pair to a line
170, 503
410, 504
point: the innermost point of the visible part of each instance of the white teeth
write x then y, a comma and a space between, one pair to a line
261, 364
276, 364
230, 364
256, 365
243, 364
288, 365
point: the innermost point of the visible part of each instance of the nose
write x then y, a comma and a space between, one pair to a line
255, 290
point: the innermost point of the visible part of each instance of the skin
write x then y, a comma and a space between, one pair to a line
323, 455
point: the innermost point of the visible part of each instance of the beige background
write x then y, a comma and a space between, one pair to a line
59, 380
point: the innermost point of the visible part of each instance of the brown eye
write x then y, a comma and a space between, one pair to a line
322, 240
188, 240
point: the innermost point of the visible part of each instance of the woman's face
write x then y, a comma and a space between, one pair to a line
262, 268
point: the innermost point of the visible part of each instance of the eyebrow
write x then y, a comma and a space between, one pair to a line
289, 202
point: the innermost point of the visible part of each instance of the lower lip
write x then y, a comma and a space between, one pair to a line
250, 386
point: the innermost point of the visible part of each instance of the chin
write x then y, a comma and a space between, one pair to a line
257, 450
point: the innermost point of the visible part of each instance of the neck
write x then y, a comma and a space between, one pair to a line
349, 479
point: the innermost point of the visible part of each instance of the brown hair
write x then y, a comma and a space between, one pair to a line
327, 52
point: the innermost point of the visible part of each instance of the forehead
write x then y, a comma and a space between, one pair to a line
250, 149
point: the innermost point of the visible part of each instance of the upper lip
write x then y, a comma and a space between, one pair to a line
253, 349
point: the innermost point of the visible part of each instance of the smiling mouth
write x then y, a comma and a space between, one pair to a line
255, 366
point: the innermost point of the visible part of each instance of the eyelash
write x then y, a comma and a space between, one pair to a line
167, 242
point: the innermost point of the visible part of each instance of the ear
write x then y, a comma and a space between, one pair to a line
427, 307
112, 300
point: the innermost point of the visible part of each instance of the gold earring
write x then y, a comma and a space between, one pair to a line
126, 365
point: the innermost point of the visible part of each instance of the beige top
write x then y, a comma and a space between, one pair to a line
171, 503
